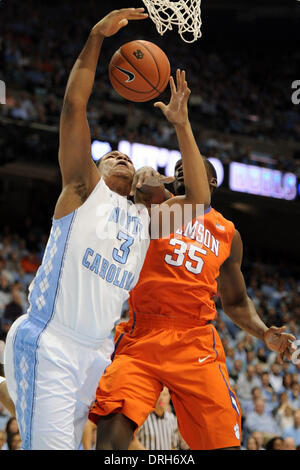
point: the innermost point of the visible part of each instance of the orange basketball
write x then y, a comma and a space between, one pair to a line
139, 71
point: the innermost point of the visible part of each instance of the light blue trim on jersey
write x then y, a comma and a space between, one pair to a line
207, 210
42, 304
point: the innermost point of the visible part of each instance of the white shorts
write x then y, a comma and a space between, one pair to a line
52, 375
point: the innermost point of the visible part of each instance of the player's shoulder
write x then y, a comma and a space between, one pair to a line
221, 222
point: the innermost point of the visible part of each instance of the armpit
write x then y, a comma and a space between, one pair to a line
82, 191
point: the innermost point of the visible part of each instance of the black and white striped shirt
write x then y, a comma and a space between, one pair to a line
159, 432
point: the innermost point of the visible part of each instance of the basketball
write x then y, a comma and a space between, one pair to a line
139, 71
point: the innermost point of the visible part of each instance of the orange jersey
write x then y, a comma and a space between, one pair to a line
179, 277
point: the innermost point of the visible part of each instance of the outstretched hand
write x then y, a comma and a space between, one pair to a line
280, 342
176, 111
117, 19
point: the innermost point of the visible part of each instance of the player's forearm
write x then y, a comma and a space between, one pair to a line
195, 176
82, 76
246, 317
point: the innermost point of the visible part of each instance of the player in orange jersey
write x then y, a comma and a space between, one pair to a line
170, 339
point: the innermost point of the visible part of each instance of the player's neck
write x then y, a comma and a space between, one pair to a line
119, 185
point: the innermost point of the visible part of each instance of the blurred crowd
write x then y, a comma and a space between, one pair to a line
235, 91
268, 391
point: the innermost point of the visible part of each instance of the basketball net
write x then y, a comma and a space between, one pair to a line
186, 14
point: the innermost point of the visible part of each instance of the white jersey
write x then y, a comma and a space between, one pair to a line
92, 260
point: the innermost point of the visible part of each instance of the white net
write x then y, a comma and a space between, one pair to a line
186, 14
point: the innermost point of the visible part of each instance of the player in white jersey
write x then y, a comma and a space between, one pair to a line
56, 353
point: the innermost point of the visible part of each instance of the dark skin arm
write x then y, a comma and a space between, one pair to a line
176, 112
240, 308
147, 186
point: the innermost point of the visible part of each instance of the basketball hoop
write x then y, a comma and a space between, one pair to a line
186, 14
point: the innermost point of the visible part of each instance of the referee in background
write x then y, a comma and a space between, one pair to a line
159, 431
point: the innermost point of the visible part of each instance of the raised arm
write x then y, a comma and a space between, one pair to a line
79, 173
148, 187
240, 308
195, 176
136, 445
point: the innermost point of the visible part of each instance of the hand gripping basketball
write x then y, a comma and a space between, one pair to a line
176, 111
117, 19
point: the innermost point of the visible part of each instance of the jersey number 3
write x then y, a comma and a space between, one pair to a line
178, 256
122, 254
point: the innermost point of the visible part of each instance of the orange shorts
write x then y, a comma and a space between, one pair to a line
190, 362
